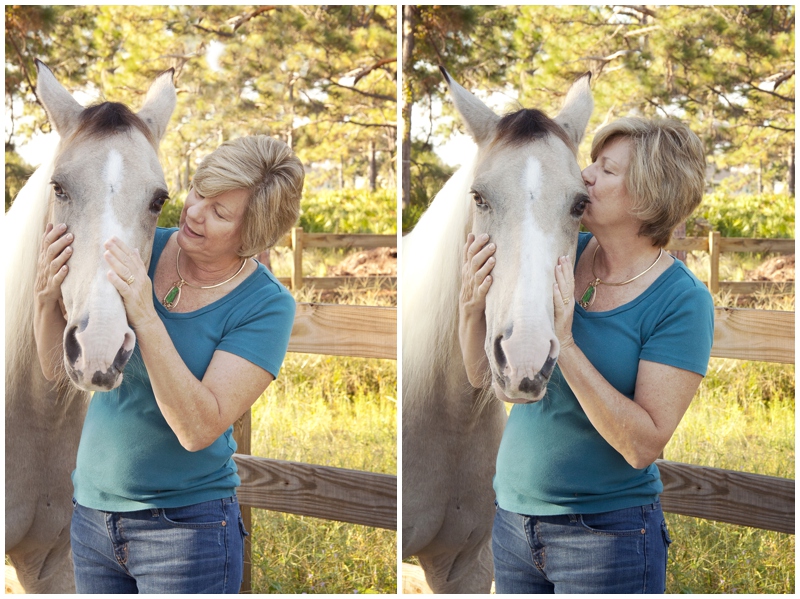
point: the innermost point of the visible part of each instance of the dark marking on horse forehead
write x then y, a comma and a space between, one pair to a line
109, 118
529, 124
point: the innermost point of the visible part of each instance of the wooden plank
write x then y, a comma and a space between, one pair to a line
327, 283
759, 335
242, 435
742, 498
319, 491
713, 250
342, 330
747, 244
688, 244
753, 287
360, 240
297, 258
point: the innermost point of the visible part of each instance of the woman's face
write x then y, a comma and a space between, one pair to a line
609, 201
212, 226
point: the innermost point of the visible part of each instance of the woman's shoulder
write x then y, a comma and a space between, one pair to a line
267, 292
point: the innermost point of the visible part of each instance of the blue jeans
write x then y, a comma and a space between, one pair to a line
194, 549
624, 551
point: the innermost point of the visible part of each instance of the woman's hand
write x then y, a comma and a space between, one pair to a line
52, 268
477, 264
49, 316
128, 275
564, 302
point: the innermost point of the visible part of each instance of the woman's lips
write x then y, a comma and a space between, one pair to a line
188, 230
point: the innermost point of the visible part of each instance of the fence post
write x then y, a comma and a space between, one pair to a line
241, 435
714, 239
297, 255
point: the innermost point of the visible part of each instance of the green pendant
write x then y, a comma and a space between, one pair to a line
587, 299
173, 296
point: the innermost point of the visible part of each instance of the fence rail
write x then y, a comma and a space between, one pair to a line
297, 240
715, 244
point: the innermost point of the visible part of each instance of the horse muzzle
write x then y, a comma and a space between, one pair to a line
517, 378
96, 363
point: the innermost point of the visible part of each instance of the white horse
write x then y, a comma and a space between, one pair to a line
104, 179
524, 189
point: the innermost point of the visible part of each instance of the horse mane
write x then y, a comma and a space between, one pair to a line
108, 118
523, 126
22, 233
432, 255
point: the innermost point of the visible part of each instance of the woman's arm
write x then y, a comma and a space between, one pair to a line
477, 264
198, 411
48, 316
638, 429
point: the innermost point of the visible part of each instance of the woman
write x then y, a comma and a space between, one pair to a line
155, 485
576, 486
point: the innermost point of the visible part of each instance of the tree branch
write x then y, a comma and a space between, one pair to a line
241, 20
363, 93
377, 65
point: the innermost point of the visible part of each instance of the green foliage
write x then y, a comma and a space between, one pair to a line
727, 71
17, 173
349, 211
321, 78
762, 215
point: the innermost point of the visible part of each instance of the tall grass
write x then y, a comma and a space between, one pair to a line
742, 418
332, 411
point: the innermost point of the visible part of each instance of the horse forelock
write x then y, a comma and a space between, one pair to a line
529, 124
109, 118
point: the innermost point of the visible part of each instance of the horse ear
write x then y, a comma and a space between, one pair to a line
159, 104
577, 109
479, 119
63, 111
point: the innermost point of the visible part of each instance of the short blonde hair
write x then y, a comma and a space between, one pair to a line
666, 174
273, 175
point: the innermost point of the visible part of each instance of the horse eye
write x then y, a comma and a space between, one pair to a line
158, 203
580, 206
479, 201
59, 191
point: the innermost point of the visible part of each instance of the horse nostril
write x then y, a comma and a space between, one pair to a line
499, 354
72, 348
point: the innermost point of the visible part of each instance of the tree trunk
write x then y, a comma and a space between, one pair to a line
407, 100
373, 166
791, 171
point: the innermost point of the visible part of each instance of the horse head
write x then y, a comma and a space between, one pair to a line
107, 181
529, 197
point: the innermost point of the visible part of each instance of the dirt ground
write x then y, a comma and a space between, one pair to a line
777, 268
378, 261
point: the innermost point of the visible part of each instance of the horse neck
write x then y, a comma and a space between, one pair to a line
431, 286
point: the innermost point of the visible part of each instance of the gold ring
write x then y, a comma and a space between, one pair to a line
566, 300
130, 280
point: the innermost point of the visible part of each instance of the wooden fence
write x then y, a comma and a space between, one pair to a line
321, 491
298, 240
715, 244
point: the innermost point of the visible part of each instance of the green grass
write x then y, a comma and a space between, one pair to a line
742, 418
332, 411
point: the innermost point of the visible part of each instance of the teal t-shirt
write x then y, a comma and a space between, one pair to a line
551, 460
129, 458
